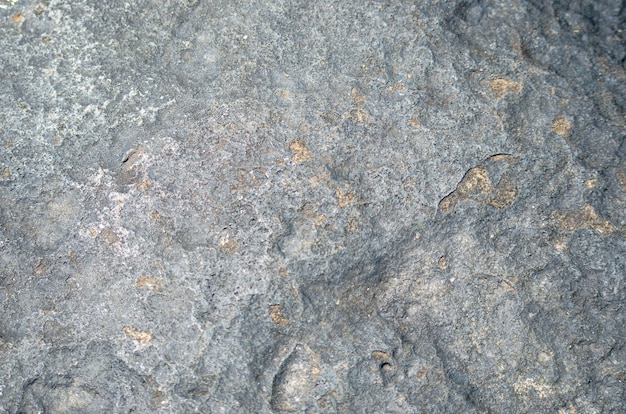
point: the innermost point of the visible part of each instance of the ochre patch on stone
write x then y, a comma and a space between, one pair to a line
501, 85
561, 125
622, 178
476, 185
351, 224
317, 179
344, 198
474, 180
503, 194
277, 316
591, 183
147, 281
414, 123
584, 218
358, 115
356, 97
17, 17
396, 86
143, 337
379, 355
156, 216
300, 151
144, 185
502, 157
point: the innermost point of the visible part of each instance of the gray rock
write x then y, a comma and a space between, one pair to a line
312, 206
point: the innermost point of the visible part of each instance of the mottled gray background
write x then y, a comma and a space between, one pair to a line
312, 206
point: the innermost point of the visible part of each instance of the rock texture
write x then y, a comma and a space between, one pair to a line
312, 206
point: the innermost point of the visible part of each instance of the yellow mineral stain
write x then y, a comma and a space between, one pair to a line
503, 194
300, 151
584, 218
622, 178
358, 115
343, 198
17, 17
561, 125
277, 316
144, 185
500, 86
591, 183
475, 179
356, 97
379, 355
143, 337
147, 281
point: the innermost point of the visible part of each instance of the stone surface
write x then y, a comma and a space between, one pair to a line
320, 207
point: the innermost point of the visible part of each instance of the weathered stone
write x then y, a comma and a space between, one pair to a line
319, 207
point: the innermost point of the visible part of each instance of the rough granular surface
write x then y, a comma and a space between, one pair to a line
224, 206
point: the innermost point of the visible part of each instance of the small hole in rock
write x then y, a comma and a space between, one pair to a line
386, 366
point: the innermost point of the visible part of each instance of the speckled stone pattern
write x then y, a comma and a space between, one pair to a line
225, 206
